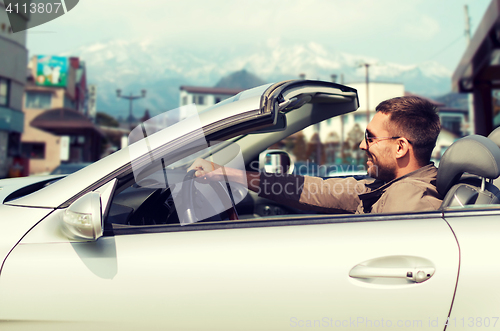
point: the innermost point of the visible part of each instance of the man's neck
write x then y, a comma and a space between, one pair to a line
410, 167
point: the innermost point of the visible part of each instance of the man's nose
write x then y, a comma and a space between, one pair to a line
362, 145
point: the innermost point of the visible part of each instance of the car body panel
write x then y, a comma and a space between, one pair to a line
15, 222
477, 299
273, 277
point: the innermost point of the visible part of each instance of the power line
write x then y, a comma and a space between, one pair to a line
445, 48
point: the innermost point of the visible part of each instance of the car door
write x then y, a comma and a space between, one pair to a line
354, 272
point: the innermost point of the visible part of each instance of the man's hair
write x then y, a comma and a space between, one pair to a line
415, 119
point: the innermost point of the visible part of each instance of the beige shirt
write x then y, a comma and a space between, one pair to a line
415, 191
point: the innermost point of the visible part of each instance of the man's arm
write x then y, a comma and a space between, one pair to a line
207, 171
333, 195
303, 192
253, 180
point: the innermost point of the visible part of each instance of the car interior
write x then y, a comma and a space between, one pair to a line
158, 184
468, 177
465, 178
479, 158
148, 199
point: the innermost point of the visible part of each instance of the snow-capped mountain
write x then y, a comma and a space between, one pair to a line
161, 69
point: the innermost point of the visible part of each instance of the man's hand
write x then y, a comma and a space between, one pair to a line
208, 171
202, 167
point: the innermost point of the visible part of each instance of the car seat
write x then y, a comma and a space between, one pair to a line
495, 137
479, 158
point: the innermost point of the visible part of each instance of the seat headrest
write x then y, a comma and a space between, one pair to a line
495, 136
476, 155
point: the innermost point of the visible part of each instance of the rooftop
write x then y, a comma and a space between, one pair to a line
210, 90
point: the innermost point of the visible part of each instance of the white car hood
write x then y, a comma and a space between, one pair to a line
11, 185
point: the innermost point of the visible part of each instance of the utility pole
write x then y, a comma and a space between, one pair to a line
341, 147
367, 65
334, 80
130, 98
467, 24
470, 97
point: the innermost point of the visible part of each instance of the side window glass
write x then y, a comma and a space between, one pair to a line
321, 150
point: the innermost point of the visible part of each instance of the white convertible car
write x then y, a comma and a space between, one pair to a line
130, 242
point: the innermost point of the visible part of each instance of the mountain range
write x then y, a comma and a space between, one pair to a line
161, 69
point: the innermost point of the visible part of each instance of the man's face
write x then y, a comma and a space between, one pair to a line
380, 149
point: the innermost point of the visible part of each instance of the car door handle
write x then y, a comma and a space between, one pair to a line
398, 267
417, 275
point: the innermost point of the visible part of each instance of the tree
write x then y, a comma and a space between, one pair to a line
354, 137
331, 147
240, 80
299, 147
146, 116
315, 151
104, 119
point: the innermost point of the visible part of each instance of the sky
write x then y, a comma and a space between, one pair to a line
400, 31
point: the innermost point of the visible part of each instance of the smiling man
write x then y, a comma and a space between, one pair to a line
398, 143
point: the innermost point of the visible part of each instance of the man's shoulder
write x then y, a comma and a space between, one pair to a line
425, 173
412, 185
411, 195
421, 179
414, 192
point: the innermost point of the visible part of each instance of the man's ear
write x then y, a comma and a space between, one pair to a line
402, 147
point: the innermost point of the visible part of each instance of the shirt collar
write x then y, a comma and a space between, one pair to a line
378, 186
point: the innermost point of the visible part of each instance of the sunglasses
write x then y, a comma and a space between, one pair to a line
370, 139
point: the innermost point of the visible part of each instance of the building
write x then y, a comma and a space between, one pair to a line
478, 71
56, 127
444, 140
203, 97
13, 59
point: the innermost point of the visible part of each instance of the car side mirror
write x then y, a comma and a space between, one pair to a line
276, 161
82, 220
